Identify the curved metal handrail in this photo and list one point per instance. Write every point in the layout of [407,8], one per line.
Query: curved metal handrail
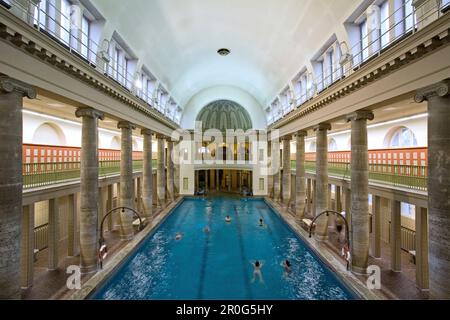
[102,240]
[327,213]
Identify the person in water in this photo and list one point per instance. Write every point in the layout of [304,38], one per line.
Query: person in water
[257,265]
[286,264]
[261,222]
[178,236]
[228,219]
[206,229]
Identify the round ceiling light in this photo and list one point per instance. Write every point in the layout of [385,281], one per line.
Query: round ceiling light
[224,51]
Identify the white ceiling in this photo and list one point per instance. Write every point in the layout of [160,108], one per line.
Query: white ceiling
[270,40]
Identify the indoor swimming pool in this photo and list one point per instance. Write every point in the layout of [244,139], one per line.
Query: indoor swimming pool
[196,254]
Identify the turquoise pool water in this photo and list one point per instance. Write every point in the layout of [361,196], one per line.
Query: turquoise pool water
[218,264]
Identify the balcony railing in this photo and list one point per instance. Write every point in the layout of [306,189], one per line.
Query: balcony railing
[405,176]
[44,174]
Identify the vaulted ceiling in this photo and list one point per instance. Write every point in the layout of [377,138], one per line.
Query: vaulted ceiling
[270,40]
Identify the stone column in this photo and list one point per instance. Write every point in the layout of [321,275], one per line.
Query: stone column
[321,191]
[396,236]
[138,194]
[270,175]
[300,183]
[309,196]
[11,95]
[217,180]
[147,175]
[422,248]
[360,190]
[170,173]
[27,247]
[338,199]
[72,244]
[160,172]
[286,169]
[438,186]
[176,175]
[89,188]
[109,207]
[53,234]
[206,180]
[276,166]
[126,180]
[376,227]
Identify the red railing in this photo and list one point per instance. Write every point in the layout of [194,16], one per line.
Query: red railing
[33,153]
[400,156]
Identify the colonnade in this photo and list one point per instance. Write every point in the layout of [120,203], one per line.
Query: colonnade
[313,195]
[17,221]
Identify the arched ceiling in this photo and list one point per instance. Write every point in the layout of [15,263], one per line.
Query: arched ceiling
[270,40]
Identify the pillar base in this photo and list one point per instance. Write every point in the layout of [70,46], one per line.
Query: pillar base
[320,238]
[359,271]
[126,237]
[88,269]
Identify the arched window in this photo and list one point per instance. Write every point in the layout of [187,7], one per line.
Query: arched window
[332,145]
[49,134]
[115,143]
[400,137]
[312,146]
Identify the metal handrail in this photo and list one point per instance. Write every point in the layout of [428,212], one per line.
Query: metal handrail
[102,239]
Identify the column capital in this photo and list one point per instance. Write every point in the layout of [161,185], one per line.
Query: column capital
[89,112]
[360,115]
[9,85]
[161,136]
[287,137]
[322,126]
[146,132]
[125,125]
[301,133]
[440,89]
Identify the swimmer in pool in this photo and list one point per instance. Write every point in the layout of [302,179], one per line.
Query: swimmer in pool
[178,236]
[286,264]
[261,222]
[206,229]
[257,265]
[227,219]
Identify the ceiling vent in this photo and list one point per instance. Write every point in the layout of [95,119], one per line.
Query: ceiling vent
[224,51]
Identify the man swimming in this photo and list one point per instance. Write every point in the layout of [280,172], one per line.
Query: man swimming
[257,271]
[178,236]
[228,219]
[261,222]
[286,264]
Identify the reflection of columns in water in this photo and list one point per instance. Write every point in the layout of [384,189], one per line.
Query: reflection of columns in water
[438,99]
